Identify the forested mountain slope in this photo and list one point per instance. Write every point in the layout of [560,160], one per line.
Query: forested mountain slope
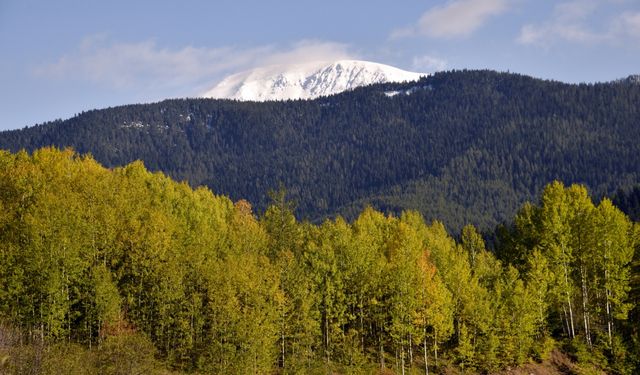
[463,146]
[629,202]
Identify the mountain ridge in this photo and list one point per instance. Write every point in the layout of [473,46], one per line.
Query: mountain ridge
[470,147]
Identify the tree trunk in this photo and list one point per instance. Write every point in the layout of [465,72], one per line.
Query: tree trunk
[402,357]
[585,304]
[607,292]
[282,337]
[572,331]
[609,322]
[90,338]
[361,328]
[410,352]
[565,320]
[435,348]
[397,366]
[381,352]
[426,363]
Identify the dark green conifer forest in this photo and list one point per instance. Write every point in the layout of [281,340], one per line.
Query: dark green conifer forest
[125,271]
[461,147]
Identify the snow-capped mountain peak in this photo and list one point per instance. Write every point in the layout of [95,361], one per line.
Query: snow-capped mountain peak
[306,81]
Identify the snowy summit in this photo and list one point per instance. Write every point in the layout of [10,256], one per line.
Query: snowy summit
[306,81]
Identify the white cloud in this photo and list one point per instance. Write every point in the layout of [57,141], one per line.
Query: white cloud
[455,19]
[146,67]
[576,10]
[579,21]
[309,50]
[568,22]
[548,34]
[428,64]
[628,23]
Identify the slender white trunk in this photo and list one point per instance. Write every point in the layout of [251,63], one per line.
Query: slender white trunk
[585,304]
[435,347]
[326,334]
[90,338]
[381,352]
[572,330]
[410,352]
[607,292]
[402,358]
[609,322]
[282,337]
[565,326]
[426,363]
[361,328]
[397,366]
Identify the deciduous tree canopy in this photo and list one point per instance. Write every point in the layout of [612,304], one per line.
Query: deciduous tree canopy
[123,270]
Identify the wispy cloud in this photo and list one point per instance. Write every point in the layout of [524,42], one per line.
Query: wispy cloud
[146,66]
[579,21]
[428,64]
[307,51]
[455,19]
[627,24]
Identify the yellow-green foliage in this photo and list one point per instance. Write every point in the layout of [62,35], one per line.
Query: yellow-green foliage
[124,270]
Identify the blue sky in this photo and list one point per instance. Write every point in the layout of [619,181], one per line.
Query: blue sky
[62,57]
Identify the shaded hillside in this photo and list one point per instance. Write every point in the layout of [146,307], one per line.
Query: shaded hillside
[465,146]
[629,202]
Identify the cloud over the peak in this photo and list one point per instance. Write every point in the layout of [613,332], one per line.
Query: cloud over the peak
[309,50]
[147,67]
[455,19]
[428,63]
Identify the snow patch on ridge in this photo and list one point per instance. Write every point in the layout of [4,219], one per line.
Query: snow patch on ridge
[409,91]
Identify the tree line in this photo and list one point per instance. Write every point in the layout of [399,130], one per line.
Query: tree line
[126,271]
